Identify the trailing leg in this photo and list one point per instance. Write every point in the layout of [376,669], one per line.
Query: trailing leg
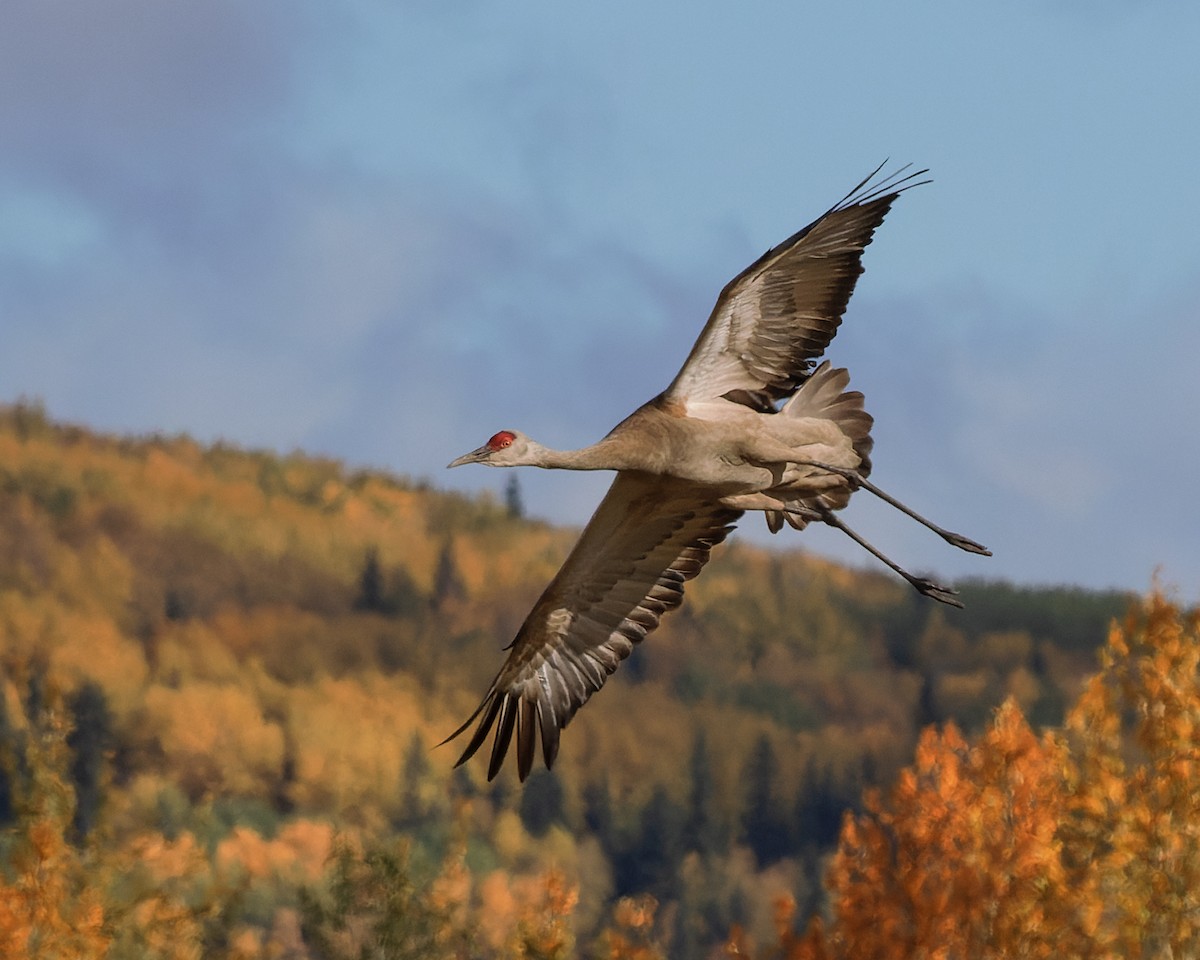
[855,479]
[927,587]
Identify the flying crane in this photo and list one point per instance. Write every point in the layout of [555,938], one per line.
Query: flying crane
[750,423]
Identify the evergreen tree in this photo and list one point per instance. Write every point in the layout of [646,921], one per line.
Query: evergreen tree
[394,593]
[763,825]
[541,802]
[598,815]
[88,741]
[513,504]
[817,815]
[704,830]
[9,753]
[447,581]
[370,584]
[651,865]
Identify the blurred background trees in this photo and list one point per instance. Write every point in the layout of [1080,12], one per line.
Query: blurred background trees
[224,672]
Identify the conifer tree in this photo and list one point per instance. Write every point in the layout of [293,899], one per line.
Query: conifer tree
[513,504]
[89,740]
[370,584]
[817,815]
[763,824]
[598,815]
[447,581]
[704,830]
[654,864]
[541,802]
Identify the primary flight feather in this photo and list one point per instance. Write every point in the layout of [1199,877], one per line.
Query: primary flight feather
[749,423]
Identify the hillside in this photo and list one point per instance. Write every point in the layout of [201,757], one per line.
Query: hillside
[258,652]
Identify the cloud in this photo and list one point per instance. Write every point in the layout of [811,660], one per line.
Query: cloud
[123,87]
[382,234]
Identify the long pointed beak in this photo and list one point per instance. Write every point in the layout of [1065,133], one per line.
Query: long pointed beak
[475,456]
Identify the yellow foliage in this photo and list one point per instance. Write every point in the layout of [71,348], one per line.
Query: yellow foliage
[77,644]
[298,854]
[95,578]
[655,726]
[351,737]
[215,739]
[1133,815]
[510,839]
[1019,846]
[94,648]
[193,651]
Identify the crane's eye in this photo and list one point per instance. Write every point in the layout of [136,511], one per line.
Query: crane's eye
[501,440]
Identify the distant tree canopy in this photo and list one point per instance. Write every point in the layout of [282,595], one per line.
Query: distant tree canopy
[222,673]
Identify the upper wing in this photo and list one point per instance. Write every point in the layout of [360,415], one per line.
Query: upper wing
[647,537]
[781,312]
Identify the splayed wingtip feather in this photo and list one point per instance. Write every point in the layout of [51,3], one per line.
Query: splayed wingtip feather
[504,732]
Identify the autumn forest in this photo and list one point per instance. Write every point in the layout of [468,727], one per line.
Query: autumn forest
[225,673]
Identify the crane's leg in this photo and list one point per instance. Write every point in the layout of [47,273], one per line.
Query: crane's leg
[927,587]
[773,506]
[856,480]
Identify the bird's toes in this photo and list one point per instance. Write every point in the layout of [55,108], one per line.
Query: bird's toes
[966,543]
[937,592]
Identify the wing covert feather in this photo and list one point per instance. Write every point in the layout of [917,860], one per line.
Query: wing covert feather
[779,314]
[646,539]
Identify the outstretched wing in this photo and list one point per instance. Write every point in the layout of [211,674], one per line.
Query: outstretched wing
[648,536]
[780,313]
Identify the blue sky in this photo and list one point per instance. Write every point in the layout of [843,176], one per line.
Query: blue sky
[382,231]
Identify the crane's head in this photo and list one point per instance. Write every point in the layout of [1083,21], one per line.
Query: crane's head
[508,448]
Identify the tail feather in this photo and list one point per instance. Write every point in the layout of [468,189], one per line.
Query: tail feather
[824,396]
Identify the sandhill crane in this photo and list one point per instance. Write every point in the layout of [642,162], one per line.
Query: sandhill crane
[747,424]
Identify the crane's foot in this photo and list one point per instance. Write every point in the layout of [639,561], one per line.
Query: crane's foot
[924,586]
[964,543]
[935,591]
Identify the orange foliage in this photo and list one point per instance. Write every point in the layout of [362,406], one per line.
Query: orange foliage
[1023,846]
[47,909]
[631,936]
[544,925]
[298,853]
[962,856]
[1131,825]
[498,909]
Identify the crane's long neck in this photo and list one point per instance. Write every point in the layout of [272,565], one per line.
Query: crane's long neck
[599,456]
